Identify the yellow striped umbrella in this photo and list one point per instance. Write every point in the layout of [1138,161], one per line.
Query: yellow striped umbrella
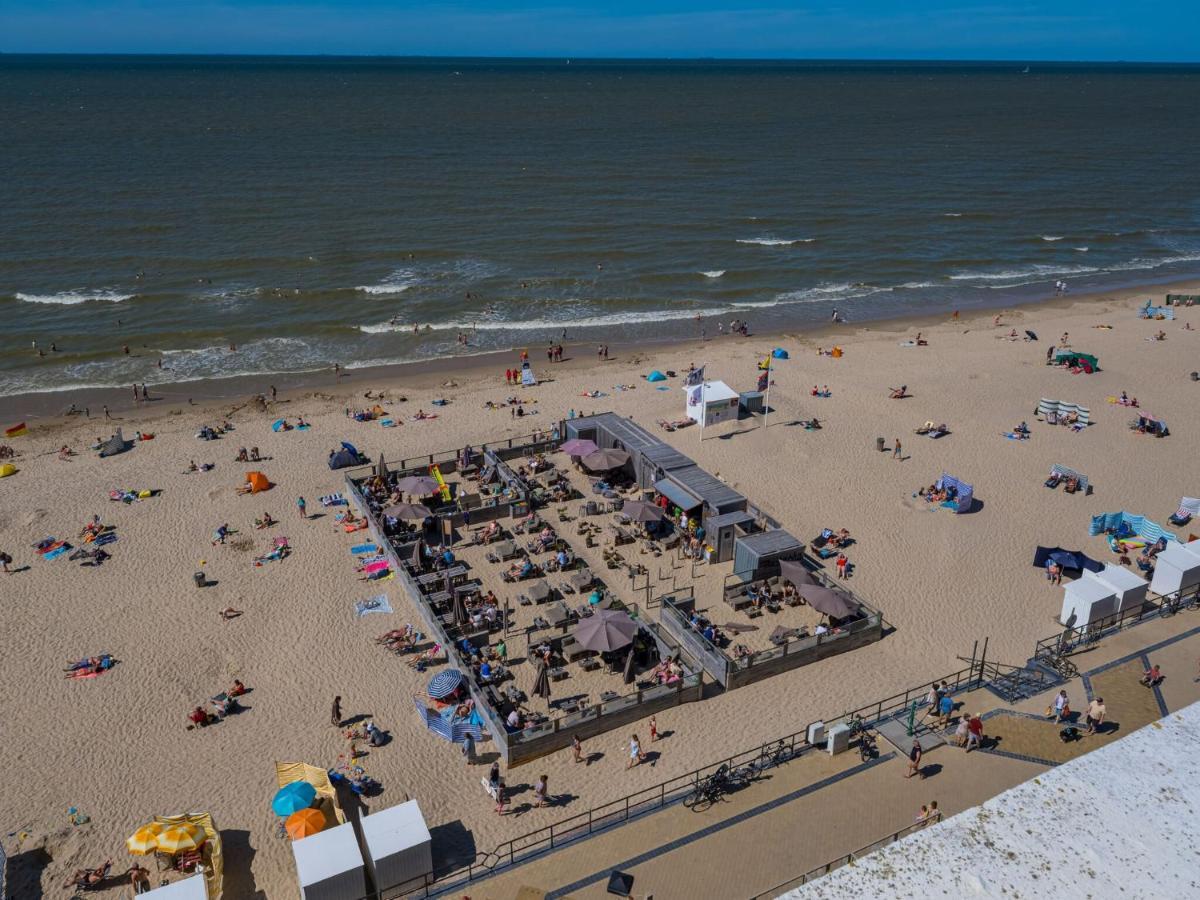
[181,838]
[145,839]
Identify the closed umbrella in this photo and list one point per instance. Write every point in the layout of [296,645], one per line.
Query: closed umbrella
[578,447]
[605,630]
[295,795]
[793,570]
[830,602]
[407,511]
[145,839]
[420,485]
[603,460]
[443,684]
[640,511]
[629,667]
[181,838]
[541,687]
[305,823]
[381,468]
[460,610]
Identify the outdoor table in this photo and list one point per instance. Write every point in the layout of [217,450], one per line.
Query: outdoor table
[557,613]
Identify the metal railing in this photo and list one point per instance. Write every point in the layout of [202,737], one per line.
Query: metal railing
[834,864]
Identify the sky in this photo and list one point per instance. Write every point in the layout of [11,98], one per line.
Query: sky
[1098,30]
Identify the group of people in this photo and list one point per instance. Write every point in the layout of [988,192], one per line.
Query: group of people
[252,455]
[218,707]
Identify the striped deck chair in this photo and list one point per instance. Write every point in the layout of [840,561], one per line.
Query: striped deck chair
[1189,507]
[1064,472]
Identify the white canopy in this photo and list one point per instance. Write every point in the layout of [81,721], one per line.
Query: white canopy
[1131,589]
[1176,568]
[398,846]
[329,865]
[1088,599]
[193,888]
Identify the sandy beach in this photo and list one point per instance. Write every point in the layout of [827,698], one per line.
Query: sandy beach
[115,747]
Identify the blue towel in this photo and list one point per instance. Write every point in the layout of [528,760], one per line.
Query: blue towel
[364,548]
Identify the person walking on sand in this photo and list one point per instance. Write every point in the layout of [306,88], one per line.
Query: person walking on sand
[468,749]
[653,730]
[975,733]
[541,791]
[635,752]
[1096,712]
[896,450]
[576,748]
[914,760]
[1062,707]
[6,561]
[302,506]
[335,714]
[106,415]
[501,798]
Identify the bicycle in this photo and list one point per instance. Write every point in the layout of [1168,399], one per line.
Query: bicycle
[708,790]
[867,749]
[1170,607]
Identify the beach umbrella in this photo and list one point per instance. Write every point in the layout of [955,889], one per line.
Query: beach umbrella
[605,630]
[641,511]
[407,511]
[181,838]
[419,485]
[629,674]
[603,460]
[541,686]
[305,823]
[381,468]
[443,684]
[830,602]
[578,447]
[278,424]
[293,796]
[145,839]
[794,571]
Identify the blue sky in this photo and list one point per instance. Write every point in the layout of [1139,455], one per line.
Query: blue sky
[1152,30]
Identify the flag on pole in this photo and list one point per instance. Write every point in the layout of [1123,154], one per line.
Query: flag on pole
[694,394]
[764,380]
[695,377]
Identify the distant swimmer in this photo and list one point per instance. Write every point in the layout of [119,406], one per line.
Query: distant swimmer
[599,267]
[416,327]
[125,349]
[233,348]
[53,347]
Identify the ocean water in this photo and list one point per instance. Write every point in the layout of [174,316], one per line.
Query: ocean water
[312,211]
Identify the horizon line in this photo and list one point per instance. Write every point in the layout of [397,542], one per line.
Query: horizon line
[593,59]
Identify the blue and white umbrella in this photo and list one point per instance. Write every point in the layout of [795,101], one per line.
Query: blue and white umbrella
[443,684]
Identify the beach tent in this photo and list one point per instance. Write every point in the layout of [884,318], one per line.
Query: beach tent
[1067,559]
[114,445]
[779,353]
[1059,409]
[1130,587]
[1176,569]
[1149,423]
[7,469]
[192,888]
[1088,599]
[278,424]
[656,376]
[964,493]
[347,456]
[329,865]
[1124,524]
[1085,361]
[450,728]
[398,847]
[258,482]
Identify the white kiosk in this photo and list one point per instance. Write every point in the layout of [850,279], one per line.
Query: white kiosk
[711,402]
[398,849]
[1088,599]
[329,865]
[1176,568]
[1131,590]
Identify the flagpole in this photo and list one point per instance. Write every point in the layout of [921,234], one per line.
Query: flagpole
[767,396]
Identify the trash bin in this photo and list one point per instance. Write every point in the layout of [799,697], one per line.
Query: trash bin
[200,579]
[879,444]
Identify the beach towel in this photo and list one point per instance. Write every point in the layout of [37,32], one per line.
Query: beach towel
[364,548]
[57,551]
[107,538]
[334,500]
[376,566]
[387,423]
[378,604]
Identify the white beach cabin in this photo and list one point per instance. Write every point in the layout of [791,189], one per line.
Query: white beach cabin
[399,849]
[1088,599]
[193,888]
[1131,589]
[329,865]
[1176,568]
[711,402]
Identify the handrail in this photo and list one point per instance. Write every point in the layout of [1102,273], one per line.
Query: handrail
[828,867]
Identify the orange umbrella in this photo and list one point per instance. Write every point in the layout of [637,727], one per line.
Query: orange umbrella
[304,823]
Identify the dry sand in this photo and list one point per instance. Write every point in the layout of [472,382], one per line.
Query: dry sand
[116,746]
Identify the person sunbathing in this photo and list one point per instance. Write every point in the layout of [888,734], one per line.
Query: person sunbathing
[490,533]
[237,690]
[91,663]
[86,878]
[265,522]
[246,488]
[229,613]
[198,717]
[898,393]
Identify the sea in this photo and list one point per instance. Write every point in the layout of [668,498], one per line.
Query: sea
[222,216]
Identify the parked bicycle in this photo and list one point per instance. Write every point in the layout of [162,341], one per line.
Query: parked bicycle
[867,748]
[1179,602]
[713,788]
